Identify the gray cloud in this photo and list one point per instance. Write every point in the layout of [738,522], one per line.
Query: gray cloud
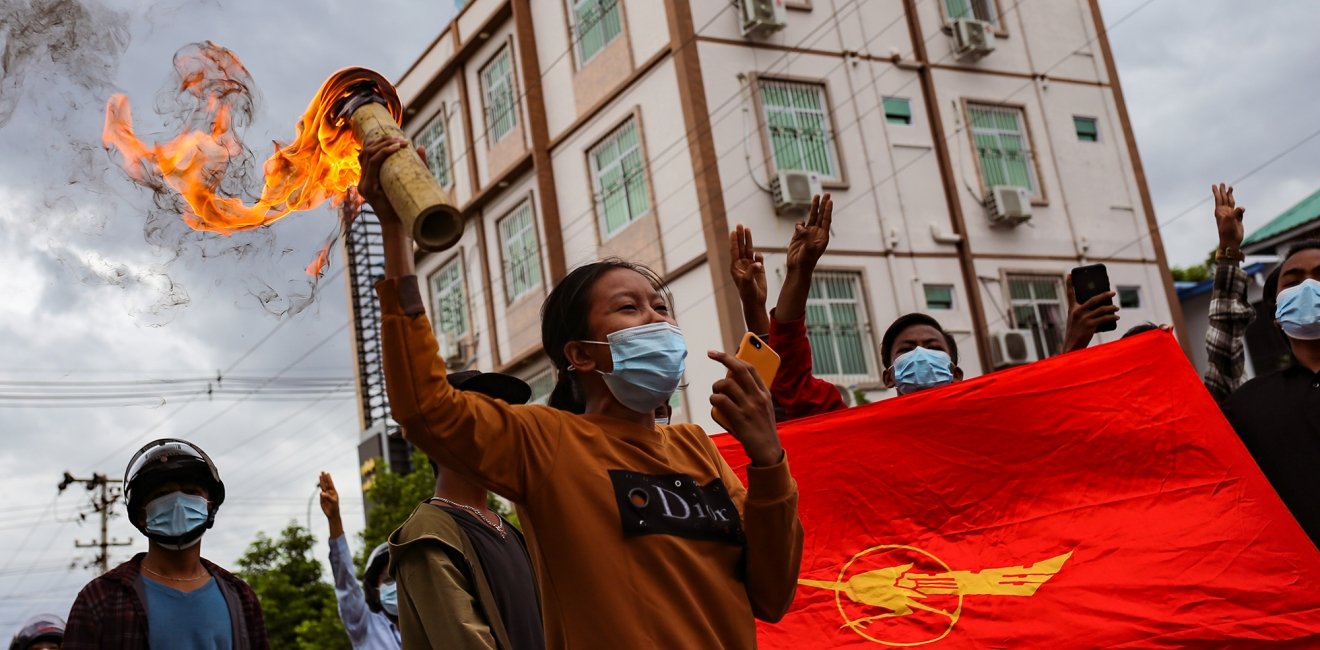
[82,276]
[1216,88]
[78,42]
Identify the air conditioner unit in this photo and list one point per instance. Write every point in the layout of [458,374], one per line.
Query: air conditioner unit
[972,38]
[457,354]
[792,192]
[1009,205]
[761,18]
[1012,348]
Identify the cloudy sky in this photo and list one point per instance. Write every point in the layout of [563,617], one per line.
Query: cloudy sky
[1215,88]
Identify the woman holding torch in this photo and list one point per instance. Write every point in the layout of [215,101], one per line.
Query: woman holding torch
[642,536]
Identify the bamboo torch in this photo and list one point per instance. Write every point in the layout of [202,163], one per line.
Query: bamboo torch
[371,107]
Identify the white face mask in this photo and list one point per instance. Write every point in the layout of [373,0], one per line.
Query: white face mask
[1298,310]
[649,361]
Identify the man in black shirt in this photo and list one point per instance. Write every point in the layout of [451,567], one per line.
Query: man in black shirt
[1278,415]
[464,578]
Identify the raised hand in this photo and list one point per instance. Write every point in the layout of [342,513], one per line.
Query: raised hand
[743,403]
[330,505]
[748,270]
[1228,219]
[812,237]
[1086,318]
[370,159]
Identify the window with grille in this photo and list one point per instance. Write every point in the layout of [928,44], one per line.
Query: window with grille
[1037,304]
[978,9]
[1002,147]
[837,326]
[939,296]
[543,383]
[596,23]
[898,110]
[501,103]
[1087,131]
[449,305]
[1129,297]
[522,257]
[433,140]
[619,179]
[797,120]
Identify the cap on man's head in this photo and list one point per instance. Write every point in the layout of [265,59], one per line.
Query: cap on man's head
[492,384]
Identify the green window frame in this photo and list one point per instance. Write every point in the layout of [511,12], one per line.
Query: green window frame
[618,176]
[434,139]
[522,255]
[797,119]
[939,296]
[596,23]
[449,308]
[1003,147]
[898,110]
[1087,128]
[501,101]
[978,9]
[1037,304]
[838,328]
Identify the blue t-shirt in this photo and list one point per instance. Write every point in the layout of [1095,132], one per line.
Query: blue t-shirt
[193,620]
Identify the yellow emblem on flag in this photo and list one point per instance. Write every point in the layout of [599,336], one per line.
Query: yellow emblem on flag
[906,582]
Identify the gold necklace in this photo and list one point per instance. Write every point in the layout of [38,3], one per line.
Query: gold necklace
[161,575]
[498,524]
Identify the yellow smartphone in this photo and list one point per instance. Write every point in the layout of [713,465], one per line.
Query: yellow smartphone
[754,350]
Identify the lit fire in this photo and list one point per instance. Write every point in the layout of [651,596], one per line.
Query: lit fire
[319,165]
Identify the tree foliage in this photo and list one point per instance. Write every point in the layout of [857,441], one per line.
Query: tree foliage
[1196,272]
[298,605]
[393,496]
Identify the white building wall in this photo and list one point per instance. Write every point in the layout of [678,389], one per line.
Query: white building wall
[892,222]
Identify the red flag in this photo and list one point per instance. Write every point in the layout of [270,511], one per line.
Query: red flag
[1096,499]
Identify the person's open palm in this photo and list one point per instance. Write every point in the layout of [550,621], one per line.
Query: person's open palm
[747,267]
[329,496]
[812,237]
[1228,216]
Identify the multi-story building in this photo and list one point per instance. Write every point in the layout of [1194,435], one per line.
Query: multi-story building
[976,151]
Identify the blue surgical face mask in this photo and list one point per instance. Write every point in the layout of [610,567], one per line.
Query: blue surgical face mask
[389,598]
[649,361]
[1298,310]
[922,368]
[173,519]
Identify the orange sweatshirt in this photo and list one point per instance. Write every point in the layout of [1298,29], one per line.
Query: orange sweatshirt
[642,538]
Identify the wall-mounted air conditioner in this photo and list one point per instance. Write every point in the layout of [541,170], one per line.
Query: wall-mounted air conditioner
[1009,205]
[972,38]
[457,354]
[792,192]
[761,18]
[1012,348]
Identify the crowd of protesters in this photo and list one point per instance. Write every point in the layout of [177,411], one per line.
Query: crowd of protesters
[602,559]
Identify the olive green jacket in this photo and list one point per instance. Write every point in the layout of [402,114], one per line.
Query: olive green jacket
[444,599]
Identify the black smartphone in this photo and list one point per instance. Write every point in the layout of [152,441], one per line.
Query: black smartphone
[1090,281]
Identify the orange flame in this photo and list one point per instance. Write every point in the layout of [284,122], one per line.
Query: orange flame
[319,165]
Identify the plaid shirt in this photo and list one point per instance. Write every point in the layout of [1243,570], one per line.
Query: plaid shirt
[1230,314]
[108,613]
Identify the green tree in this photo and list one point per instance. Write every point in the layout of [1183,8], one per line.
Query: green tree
[298,605]
[1196,272]
[393,497]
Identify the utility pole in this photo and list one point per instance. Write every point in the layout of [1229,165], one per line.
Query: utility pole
[107,493]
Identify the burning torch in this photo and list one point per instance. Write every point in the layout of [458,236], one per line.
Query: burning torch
[371,106]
